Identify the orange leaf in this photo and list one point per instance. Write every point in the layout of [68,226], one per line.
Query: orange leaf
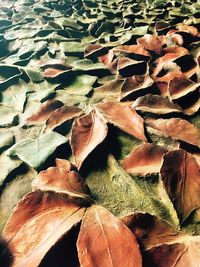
[37,223]
[145,159]
[105,241]
[176,128]
[123,116]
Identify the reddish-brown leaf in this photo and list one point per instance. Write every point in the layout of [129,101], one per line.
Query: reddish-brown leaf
[123,116]
[107,58]
[87,132]
[176,128]
[144,160]
[182,252]
[94,50]
[105,241]
[42,114]
[61,115]
[180,86]
[128,67]
[155,104]
[51,73]
[37,223]
[136,85]
[180,173]
[150,230]
[133,49]
[62,179]
[152,42]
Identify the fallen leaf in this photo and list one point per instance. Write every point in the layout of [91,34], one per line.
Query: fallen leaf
[128,67]
[41,148]
[47,217]
[43,113]
[180,173]
[117,246]
[145,159]
[67,181]
[155,104]
[125,117]
[60,115]
[87,132]
[176,128]
[152,42]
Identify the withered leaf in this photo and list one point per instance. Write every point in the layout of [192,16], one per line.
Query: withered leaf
[133,49]
[87,132]
[37,223]
[123,116]
[128,67]
[105,241]
[152,42]
[61,179]
[144,160]
[44,111]
[182,252]
[180,86]
[94,50]
[136,85]
[155,104]
[61,115]
[150,230]
[176,128]
[180,173]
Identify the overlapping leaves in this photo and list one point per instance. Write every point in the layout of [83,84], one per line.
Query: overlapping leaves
[101,84]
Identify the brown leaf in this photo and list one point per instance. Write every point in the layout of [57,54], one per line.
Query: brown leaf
[94,50]
[152,42]
[105,241]
[87,132]
[128,67]
[123,116]
[180,173]
[136,85]
[150,230]
[62,179]
[180,86]
[144,160]
[155,104]
[176,128]
[183,252]
[51,73]
[133,49]
[107,58]
[37,223]
[61,115]
[44,111]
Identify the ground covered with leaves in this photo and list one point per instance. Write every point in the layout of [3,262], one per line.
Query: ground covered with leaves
[99,133]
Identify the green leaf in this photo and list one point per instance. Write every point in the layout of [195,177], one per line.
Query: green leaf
[35,152]
[15,95]
[123,195]
[81,85]
[8,116]
[6,140]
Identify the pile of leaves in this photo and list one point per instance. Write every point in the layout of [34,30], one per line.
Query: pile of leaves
[99,133]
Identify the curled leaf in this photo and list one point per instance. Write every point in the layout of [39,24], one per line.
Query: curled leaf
[176,128]
[155,104]
[125,117]
[144,160]
[87,132]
